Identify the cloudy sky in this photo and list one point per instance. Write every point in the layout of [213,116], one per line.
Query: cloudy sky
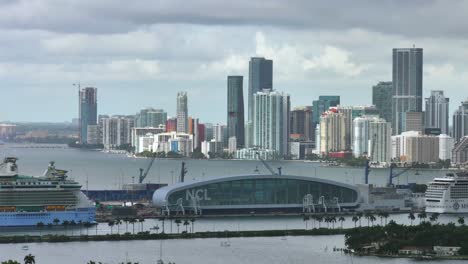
[140,53]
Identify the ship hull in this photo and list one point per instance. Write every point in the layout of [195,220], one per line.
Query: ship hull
[11,219]
[447,206]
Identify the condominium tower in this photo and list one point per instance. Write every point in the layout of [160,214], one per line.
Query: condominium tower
[437,112]
[88,111]
[407,85]
[235,109]
[182,112]
[271,121]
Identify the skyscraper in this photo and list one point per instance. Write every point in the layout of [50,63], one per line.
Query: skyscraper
[460,122]
[382,99]
[88,111]
[150,117]
[235,109]
[271,122]
[332,132]
[301,122]
[322,105]
[372,137]
[182,112]
[260,77]
[437,112]
[407,84]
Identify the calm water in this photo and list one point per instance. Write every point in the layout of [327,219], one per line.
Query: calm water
[318,249]
[108,171]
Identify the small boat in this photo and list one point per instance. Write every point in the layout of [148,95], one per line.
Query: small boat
[25,247]
[225,244]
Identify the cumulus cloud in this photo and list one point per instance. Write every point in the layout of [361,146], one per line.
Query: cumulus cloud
[336,60]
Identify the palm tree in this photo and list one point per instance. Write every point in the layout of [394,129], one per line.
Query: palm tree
[56,221]
[385,215]
[72,224]
[10,262]
[368,217]
[126,220]
[319,219]
[133,221]
[327,220]
[141,220]
[111,224]
[29,259]
[461,220]
[65,225]
[305,219]
[422,216]
[39,226]
[162,219]
[355,219]
[80,223]
[341,219]
[359,215]
[372,219]
[193,222]
[434,217]
[380,215]
[186,224]
[178,222]
[118,222]
[411,217]
[333,221]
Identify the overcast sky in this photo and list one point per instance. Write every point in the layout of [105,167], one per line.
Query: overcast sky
[140,53]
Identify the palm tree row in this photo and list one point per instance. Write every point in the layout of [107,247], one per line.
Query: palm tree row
[187,223]
[127,221]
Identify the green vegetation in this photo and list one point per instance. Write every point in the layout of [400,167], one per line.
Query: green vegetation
[393,236]
[223,155]
[85,146]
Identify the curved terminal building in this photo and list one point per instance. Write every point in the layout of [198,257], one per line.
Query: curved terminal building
[250,194]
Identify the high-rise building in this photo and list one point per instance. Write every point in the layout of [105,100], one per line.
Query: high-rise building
[437,112]
[271,121]
[150,117]
[88,111]
[171,124]
[301,123]
[182,112]
[382,99]
[218,133]
[460,121]
[116,130]
[7,131]
[412,146]
[260,77]
[322,105]
[332,132]
[380,132]
[460,151]
[446,144]
[407,85]
[413,121]
[352,112]
[235,109]
[208,132]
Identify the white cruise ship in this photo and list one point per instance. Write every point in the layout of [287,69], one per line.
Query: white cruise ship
[448,194]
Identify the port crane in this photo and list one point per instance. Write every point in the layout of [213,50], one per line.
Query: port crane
[144,172]
[392,175]
[268,166]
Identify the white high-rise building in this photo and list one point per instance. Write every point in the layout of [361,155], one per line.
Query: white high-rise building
[332,132]
[412,146]
[446,144]
[116,130]
[437,112]
[182,113]
[372,138]
[271,121]
[380,132]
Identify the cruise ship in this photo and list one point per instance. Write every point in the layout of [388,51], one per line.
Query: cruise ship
[50,199]
[448,194]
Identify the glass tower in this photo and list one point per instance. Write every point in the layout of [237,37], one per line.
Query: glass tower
[88,111]
[235,109]
[407,85]
[382,99]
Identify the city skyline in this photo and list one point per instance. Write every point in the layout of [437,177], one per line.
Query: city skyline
[313,54]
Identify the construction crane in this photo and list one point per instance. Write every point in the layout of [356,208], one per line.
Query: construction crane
[392,175]
[268,166]
[143,172]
